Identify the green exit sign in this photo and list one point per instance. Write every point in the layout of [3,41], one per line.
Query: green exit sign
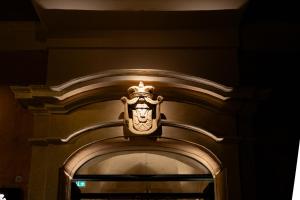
[81,184]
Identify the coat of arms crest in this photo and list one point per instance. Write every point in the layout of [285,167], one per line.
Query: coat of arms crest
[141,112]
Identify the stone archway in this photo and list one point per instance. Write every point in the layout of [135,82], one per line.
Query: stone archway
[187,152]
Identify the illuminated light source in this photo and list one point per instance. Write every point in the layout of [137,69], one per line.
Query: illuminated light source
[166,5]
[2,197]
[80,184]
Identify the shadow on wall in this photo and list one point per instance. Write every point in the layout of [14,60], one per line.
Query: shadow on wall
[16,126]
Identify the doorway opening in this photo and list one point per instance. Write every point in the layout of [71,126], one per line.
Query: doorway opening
[164,169]
[142,175]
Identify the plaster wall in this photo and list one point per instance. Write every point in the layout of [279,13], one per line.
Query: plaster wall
[215,64]
[46,160]
[16,127]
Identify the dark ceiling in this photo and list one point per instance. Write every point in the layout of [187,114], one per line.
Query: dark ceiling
[255,63]
[285,11]
[17,10]
[257,11]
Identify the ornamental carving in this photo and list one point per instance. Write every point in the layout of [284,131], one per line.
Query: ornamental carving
[141,111]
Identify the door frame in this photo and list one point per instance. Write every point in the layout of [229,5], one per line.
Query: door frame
[119,145]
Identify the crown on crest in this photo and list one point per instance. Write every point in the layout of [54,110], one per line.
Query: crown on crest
[141,91]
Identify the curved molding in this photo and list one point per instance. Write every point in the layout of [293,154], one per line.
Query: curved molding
[117,80]
[187,151]
[121,146]
[191,128]
[143,72]
[90,128]
[113,84]
[49,140]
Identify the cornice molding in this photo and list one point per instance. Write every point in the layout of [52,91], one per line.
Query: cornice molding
[113,84]
[117,123]
[144,72]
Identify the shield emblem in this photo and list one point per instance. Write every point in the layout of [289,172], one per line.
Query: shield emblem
[141,112]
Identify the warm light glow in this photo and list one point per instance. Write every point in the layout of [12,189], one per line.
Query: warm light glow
[120,123]
[101,85]
[145,5]
[142,74]
[117,145]
[93,127]
[168,81]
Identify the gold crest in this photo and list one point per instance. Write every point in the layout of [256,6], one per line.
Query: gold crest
[141,112]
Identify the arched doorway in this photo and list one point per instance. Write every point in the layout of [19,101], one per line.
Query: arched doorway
[144,169]
[86,114]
